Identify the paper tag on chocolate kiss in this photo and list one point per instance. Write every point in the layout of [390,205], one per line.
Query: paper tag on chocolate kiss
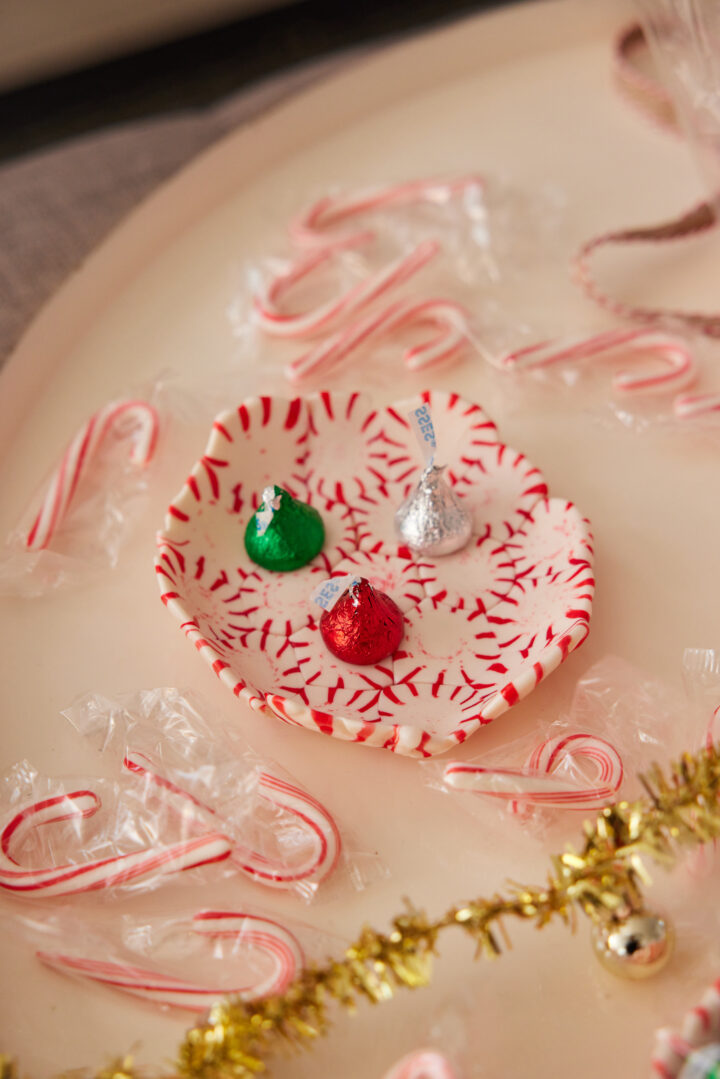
[328,593]
[270,503]
[424,428]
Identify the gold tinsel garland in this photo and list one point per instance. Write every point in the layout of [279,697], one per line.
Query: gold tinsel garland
[603,879]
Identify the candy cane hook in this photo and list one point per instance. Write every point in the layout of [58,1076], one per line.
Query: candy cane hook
[422,1064]
[677,368]
[261,934]
[100,873]
[451,340]
[134,419]
[689,405]
[311,228]
[312,817]
[535,784]
[324,318]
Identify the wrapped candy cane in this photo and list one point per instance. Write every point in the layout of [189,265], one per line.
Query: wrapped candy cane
[326,843]
[689,405]
[311,817]
[678,365]
[536,783]
[99,873]
[310,229]
[422,1064]
[134,419]
[324,318]
[262,934]
[448,344]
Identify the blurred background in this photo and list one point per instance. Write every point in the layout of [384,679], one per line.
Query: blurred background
[102,101]
[69,67]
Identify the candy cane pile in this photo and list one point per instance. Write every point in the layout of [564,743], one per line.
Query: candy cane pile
[353,320]
[135,420]
[537,783]
[253,933]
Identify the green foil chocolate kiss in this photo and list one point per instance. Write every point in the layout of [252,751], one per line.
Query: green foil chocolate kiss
[293,536]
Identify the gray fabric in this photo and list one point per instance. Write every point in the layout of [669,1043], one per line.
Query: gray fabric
[57,205]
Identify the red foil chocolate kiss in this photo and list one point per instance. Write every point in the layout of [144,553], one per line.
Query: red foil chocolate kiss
[363,626]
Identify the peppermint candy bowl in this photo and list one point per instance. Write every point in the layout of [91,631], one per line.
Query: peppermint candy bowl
[482,627]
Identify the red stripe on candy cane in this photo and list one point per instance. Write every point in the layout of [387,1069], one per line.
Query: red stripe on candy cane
[136,420]
[262,934]
[312,818]
[91,876]
[451,340]
[422,1064]
[325,317]
[677,363]
[311,228]
[536,783]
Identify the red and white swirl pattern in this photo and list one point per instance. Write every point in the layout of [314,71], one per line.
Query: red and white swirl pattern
[482,627]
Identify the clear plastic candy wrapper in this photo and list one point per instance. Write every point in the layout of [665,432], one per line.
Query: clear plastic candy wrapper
[181,961]
[280,836]
[76,526]
[620,722]
[79,835]
[412,272]
[683,38]
[641,378]
[77,522]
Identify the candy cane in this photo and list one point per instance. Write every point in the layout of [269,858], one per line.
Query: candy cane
[537,785]
[678,363]
[98,873]
[142,422]
[315,821]
[700,1026]
[669,1054]
[448,344]
[689,405]
[310,228]
[262,934]
[422,1064]
[703,1020]
[324,318]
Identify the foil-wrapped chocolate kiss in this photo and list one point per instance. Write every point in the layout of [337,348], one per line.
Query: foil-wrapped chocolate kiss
[432,520]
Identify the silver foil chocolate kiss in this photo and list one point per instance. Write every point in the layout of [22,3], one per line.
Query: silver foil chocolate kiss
[433,520]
